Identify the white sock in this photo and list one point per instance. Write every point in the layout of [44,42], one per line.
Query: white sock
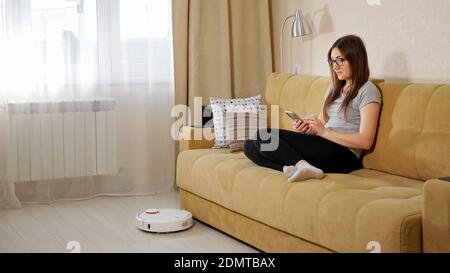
[289,170]
[305,171]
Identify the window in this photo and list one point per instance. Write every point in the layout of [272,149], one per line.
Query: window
[143,46]
[112,40]
[65,28]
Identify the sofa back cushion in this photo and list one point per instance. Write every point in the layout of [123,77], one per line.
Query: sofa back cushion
[298,93]
[413,138]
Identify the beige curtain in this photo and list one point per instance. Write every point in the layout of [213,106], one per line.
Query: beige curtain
[222,48]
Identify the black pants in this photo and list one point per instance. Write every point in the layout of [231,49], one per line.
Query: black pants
[293,147]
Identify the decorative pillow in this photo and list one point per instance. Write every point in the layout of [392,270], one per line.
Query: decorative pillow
[243,125]
[232,112]
[236,145]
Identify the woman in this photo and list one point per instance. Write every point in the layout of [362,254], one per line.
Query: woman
[334,141]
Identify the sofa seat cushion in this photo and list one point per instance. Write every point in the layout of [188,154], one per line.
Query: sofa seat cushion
[342,212]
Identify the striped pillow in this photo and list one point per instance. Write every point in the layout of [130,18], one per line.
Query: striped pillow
[242,125]
[220,108]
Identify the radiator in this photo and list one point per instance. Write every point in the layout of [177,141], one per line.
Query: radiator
[53,140]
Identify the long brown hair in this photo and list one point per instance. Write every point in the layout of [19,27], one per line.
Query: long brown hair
[354,51]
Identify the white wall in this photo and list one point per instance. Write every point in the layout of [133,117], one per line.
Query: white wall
[407,40]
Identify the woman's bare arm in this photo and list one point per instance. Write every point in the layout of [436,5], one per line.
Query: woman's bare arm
[367,130]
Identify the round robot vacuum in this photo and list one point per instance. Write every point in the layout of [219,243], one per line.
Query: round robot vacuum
[163,220]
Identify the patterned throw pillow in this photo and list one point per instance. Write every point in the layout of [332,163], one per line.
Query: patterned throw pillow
[240,115]
[236,146]
[243,125]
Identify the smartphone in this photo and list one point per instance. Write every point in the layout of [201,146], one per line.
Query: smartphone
[293,115]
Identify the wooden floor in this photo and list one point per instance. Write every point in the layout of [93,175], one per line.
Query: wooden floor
[105,224]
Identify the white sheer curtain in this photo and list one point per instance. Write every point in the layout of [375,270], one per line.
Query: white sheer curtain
[65,61]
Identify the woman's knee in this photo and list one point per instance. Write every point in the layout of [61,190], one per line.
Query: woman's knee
[265,136]
[256,136]
[248,147]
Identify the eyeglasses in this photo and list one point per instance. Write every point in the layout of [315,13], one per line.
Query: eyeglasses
[339,61]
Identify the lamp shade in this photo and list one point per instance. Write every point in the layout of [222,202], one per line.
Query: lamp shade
[299,27]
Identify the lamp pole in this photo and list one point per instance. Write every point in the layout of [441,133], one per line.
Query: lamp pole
[298,30]
[281,41]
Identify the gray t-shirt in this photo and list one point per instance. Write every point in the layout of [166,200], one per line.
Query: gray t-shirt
[366,94]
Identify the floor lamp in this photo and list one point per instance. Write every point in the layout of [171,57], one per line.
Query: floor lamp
[299,28]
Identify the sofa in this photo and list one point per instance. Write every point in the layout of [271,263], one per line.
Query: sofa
[399,202]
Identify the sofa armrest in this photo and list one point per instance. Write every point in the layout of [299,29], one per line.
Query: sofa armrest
[196,138]
[436,215]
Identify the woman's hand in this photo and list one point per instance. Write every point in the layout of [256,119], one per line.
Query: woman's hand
[300,126]
[315,125]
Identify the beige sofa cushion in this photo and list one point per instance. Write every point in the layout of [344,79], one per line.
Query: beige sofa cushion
[413,138]
[340,212]
[301,94]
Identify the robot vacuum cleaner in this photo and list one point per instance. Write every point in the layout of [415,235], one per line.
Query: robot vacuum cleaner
[163,220]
